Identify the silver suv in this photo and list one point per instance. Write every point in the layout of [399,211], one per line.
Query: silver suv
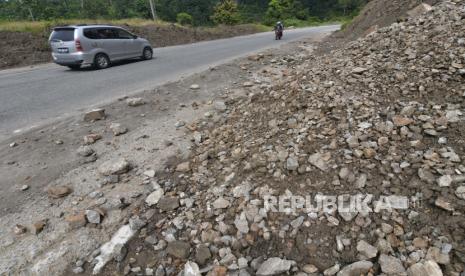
[97,45]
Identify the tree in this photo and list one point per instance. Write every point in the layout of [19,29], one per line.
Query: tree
[226,12]
[285,9]
[184,18]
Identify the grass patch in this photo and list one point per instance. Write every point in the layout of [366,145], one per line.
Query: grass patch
[45,26]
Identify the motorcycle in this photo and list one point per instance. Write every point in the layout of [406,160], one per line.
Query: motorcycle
[278,34]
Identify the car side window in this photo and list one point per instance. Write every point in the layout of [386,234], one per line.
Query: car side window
[107,33]
[91,33]
[122,34]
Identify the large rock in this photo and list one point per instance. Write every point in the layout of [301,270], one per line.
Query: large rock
[274,266]
[58,191]
[191,269]
[419,10]
[117,167]
[366,249]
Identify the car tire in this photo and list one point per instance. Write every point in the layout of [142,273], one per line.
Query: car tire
[74,67]
[101,61]
[147,53]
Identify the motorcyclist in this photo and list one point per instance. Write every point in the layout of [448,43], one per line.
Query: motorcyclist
[279,28]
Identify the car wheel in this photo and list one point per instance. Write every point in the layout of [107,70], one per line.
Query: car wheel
[74,67]
[101,61]
[147,53]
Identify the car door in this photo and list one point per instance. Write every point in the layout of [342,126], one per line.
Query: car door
[108,38]
[131,45]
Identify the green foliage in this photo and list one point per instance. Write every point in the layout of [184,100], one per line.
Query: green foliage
[203,12]
[279,10]
[184,18]
[226,13]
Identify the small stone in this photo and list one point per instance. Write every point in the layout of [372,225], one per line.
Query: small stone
[12,145]
[445,181]
[94,115]
[24,187]
[317,161]
[460,192]
[178,249]
[58,191]
[93,216]
[332,270]
[359,70]
[401,121]
[118,129]
[154,197]
[183,167]
[355,269]
[391,265]
[221,203]
[150,173]
[112,167]
[292,164]
[274,266]
[309,268]
[366,249]
[85,151]
[19,229]
[220,106]
[135,102]
[191,269]
[247,84]
[241,223]
[92,138]
[444,204]
[136,223]
[38,226]
[168,203]
[76,220]
[195,87]
[78,270]
[428,268]
[202,254]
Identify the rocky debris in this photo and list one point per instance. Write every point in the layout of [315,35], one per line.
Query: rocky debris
[382,116]
[274,266]
[179,249]
[419,10]
[58,191]
[135,102]
[118,129]
[114,167]
[94,115]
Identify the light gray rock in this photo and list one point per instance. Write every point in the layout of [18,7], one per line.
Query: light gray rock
[391,265]
[428,268]
[112,167]
[356,269]
[154,197]
[274,266]
[366,249]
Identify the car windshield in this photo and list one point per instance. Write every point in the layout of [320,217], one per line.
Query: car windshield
[63,34]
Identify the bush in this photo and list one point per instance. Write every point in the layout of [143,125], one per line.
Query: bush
[226,12]
[184,18]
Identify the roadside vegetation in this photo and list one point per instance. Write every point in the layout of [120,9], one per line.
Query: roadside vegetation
[37,16]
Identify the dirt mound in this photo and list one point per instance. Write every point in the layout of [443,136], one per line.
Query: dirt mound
[382,117]
[378,14]
[24,48]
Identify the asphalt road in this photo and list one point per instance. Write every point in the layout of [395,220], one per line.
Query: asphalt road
[30,97]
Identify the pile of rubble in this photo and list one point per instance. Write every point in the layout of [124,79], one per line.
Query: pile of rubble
[383,116]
